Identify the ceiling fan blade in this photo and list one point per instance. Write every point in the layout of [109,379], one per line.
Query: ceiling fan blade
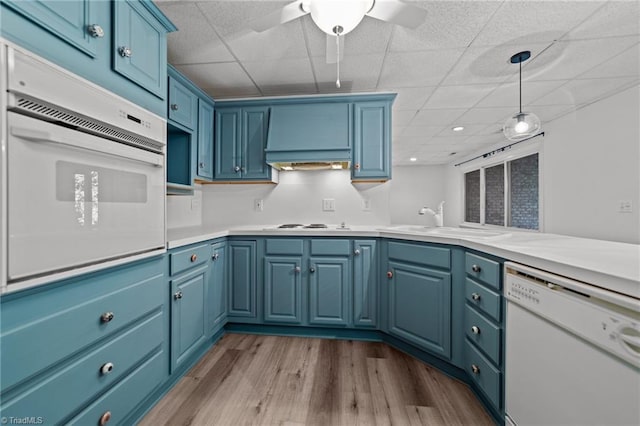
[288,13]
[397,12]
[332,49]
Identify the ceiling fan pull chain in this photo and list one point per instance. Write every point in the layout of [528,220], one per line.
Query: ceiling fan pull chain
[338,60]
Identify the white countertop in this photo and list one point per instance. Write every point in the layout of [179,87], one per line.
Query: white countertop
[607,264]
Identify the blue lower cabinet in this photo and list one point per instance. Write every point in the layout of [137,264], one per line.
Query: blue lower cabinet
[188,328]
[365,283]
[420,306]
[283,289]
[217,288]
[329,286]
[242,280]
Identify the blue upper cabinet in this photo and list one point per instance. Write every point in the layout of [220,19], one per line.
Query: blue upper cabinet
[140,46]
[372,141]
[183,104]
[240,140]
[205,140]
[86,37]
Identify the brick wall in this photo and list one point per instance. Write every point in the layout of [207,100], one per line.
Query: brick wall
[524,192]
[472,196]
[494,195]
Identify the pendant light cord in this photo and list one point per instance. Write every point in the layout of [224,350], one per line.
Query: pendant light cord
[338,60]
[520,87]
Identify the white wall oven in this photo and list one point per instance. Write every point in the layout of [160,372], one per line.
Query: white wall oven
[84,182]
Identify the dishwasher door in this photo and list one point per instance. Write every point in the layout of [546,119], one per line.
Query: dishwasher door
[565,361]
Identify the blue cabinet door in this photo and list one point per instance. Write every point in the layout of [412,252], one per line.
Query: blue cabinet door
[365,283]
[217,289]
[188,328]
[283,289]
[74,22]
[205,140]
[372,136]
[183,105]
[227,143]
[255,122]
[242,279]
[139,47]
[420,307]
[329,286]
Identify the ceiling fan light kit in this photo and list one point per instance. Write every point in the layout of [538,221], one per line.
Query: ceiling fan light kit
[521,125]
[337,17]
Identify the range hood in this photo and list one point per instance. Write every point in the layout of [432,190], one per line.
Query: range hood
[312,136]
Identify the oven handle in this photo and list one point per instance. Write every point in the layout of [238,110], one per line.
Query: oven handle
[88,142]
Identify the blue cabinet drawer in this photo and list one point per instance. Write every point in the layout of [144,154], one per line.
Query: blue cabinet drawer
[420,254]
[483,299]
[188,258]
[287,246]
[483,333]
[124,397]
[74,383]
[483,269]
[485,375]
[63,322]
[330,247]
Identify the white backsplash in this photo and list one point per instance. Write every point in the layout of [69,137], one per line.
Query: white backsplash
[184,210]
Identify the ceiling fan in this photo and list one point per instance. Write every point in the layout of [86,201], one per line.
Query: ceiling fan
[339,17]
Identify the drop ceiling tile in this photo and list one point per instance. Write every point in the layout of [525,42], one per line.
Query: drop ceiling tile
[232,17]
[417,68]
[485,116]
[470,129]
[232,92]
[626,64]
[421,131]
[223,76]
[410,97]
[458,96]
[507,95]
[370,36]
[361,71]
[483,65]
[578,92]
[437,117]
[195,41]
[444,142]
[533,21]
[549,113]
[449,24]
[566,60]
[402,117]
[284,41]
[615,18]
[280,72]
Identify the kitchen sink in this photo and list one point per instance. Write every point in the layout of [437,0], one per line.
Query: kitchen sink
[451,232]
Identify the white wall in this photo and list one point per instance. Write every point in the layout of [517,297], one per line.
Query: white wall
[591,161]
[184,210]
[413,187]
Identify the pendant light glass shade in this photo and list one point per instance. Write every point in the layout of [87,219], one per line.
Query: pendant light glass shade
[521,125]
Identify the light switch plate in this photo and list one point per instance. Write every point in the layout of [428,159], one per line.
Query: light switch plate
[258,204]
[366,204]
[328,205]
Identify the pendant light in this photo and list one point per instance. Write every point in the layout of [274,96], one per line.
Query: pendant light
[523,124]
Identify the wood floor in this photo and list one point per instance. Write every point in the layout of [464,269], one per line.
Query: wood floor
[251,379]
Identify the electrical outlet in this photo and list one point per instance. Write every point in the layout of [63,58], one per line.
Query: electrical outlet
[626,206]
[329,205]
[195,204]
[258,204]
[366,204]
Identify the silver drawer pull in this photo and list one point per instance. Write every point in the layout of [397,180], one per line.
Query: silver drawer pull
[106,317]
[95,30]
[236,169]
[174,107]
[475,369]
[215,256]
[106,369]
[125,51]
[296,269]
[475,296]
[356,252]
[312,269]
[475,329]
[178,295]
[476,268]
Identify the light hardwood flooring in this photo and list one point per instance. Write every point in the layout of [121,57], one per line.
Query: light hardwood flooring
[250,379]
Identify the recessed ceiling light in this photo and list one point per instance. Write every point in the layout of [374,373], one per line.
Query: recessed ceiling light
[458,128]
[453,153]
[413,159]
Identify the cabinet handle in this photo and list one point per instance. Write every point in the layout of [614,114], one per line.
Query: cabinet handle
[356,166]
[215,256]
[236,169]
[106,368]
[475,329]
[312,269]
[174,107]
[125,51]
[296,269]
[475,296]
[356,252]
[475,369]
[476,268]
[178,295]
[389,274]
[201,165]
[104,419]
[95,30]
[194,257]
[106,317]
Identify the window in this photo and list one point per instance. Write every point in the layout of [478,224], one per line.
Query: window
[504,194]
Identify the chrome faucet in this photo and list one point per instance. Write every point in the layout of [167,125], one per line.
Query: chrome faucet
[439,216]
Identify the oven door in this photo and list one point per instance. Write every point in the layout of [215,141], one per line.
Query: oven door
[75,199]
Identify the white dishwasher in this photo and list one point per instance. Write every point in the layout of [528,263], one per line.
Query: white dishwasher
[572,352]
